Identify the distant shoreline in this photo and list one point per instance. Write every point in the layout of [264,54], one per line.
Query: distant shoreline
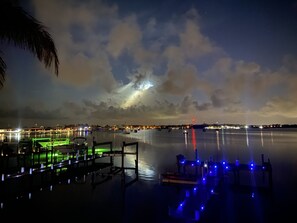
[83,127]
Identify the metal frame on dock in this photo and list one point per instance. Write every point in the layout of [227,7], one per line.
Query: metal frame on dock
[49,172]
[219,169]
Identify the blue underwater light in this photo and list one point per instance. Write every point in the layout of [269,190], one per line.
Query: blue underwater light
[252,166]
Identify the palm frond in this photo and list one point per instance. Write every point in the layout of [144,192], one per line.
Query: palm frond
[21,29]
[2,71]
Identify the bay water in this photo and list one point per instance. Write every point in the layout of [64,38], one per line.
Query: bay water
[91,198]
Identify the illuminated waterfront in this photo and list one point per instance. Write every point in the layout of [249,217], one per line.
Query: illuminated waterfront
[148,201]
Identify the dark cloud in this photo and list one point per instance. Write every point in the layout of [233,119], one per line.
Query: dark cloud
[193,63]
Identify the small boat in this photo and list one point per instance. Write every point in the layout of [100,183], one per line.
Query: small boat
[77,144]
[80,143]
[30,145]
[177,178]
[63,145]
[51,142]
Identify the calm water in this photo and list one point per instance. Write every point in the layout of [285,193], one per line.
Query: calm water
[87,199]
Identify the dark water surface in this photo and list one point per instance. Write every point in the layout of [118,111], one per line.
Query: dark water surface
[88,198]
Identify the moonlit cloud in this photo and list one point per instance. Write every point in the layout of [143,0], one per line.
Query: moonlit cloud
[122,66]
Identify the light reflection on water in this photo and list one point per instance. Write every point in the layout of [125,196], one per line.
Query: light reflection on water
[157,154]
[146,172]
[159,146]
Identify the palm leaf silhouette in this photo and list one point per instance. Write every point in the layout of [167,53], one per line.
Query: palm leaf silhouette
[24,31]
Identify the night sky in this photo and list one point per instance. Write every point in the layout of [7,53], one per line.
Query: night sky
[157,62]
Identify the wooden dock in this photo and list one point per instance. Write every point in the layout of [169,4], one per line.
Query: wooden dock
[20,179]
[204,178]
[193,171]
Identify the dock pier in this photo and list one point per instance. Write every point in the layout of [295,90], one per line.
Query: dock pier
[199,181]
[21,173]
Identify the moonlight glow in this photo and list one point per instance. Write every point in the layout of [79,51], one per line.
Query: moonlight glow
[145,85]
[136,95]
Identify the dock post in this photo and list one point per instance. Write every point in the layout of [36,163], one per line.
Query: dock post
[38,158]
[52,153]
[270,173]
[32,159]
[136,162]
[46,156]
[202,169]
[123,180]
[24,159]
[123,148]
[93,152]
[111,157]
[196,159]
[267,167]
[179,158]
